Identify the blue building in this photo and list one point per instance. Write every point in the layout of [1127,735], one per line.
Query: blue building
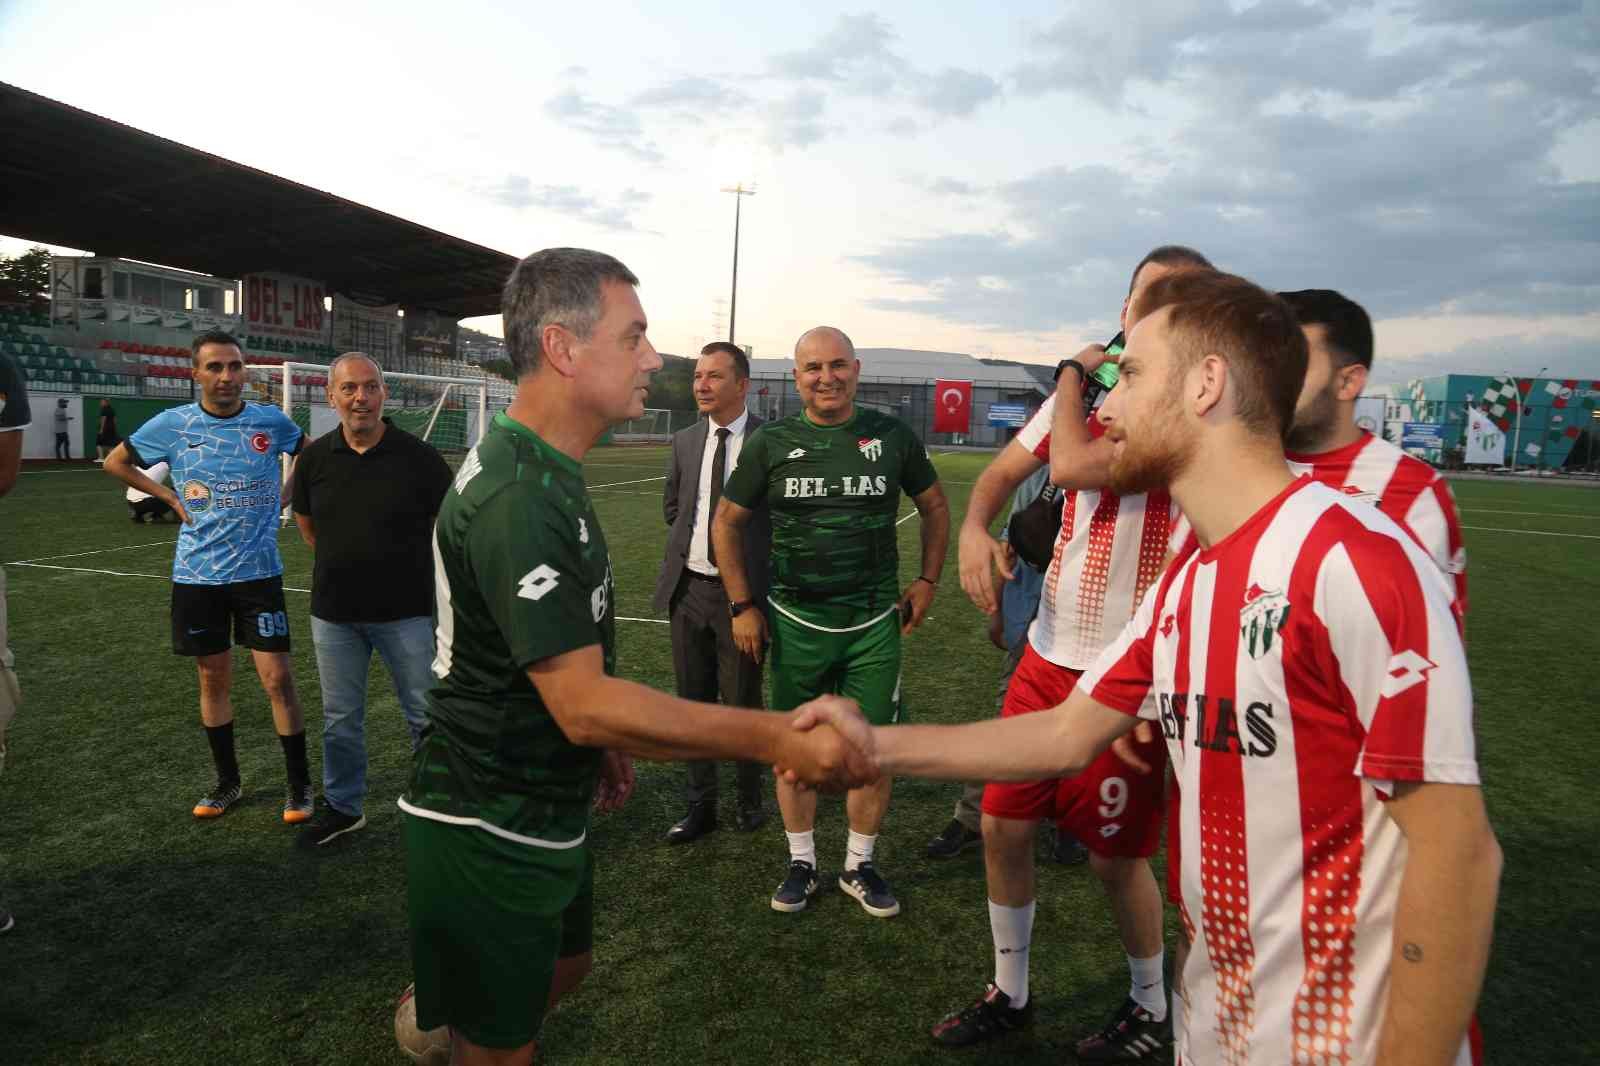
[1559,418]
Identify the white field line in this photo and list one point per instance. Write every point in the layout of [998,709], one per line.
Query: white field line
[617,484]
[286,588]
[97,551]
[912,514]
[1534,532]
[1535,514]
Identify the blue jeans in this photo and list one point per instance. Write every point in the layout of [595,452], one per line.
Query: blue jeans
[344,657]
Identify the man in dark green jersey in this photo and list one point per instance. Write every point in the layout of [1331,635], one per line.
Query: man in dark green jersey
[832,478]
[528,726]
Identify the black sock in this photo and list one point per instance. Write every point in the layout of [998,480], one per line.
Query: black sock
[220,737]
[294,758]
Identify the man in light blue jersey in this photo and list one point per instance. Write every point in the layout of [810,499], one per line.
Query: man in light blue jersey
[227,576]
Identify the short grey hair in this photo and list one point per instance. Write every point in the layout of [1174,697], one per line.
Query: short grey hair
[334,366]
[556,286]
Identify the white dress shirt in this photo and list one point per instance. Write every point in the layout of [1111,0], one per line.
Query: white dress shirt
[699,540]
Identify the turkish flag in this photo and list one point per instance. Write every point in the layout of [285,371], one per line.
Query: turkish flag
[952,406]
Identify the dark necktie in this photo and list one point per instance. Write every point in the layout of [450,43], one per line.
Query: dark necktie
[719,464]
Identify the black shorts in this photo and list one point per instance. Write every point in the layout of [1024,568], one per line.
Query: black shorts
[201,615]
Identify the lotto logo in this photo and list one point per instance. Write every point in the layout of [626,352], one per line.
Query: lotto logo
[536,582]
[1405,670]
[798,453]
[260,442]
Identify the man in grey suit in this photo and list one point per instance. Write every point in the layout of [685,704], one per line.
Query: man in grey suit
[689,589]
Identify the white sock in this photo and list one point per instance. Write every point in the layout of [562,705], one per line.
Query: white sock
[1012,930]
[803,847]
[858,850]
[1148,989]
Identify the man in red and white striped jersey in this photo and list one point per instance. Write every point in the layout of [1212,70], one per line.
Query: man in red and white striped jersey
[1327,444]
[1108,552]
[1311,682]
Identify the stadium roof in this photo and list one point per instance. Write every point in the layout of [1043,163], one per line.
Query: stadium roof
[75,179]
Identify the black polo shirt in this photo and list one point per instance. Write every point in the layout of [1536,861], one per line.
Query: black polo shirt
[373,514]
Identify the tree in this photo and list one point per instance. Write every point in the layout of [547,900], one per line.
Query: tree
[501,367]
[25,278]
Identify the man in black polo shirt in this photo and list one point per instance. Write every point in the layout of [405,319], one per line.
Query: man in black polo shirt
[365,497]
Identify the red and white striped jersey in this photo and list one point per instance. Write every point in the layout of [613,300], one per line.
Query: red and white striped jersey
[1406,489]
[1403,487]
[1299,668]
[1107,555]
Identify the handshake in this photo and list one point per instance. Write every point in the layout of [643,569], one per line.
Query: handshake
[829,746]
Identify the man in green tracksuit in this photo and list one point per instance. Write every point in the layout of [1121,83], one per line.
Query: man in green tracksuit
[832,476]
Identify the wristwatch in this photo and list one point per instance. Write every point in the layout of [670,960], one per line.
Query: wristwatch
[736,609]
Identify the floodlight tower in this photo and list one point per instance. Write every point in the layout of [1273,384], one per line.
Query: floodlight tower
[739,193]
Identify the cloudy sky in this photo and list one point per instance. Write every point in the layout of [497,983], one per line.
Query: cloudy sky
[980,180]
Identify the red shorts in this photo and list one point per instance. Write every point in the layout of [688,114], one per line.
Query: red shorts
[1114,810]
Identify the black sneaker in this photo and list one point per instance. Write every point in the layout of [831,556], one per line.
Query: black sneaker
[214,804]
[871,890]
[991,1016]
[1131,1035]
[326,826]
[797,888]
[953,840]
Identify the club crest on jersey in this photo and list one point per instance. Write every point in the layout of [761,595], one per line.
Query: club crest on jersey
[872,449]
[260,442]
[1261,619]
[1166,626]
[196,497]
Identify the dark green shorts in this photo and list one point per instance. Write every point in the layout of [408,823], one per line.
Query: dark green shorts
[863,664]
[489,919]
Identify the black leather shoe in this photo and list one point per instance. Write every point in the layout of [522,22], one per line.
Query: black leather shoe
[751,818]
[701,819]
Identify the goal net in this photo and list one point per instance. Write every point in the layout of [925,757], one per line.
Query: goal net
[448,412]
[654,426]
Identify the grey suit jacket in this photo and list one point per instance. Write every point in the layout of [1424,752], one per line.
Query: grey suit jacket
[678,501]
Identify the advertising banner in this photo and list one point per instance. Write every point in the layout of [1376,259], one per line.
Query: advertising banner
[430,335]
[1422,435]
[363,327]
[1008,414]
[290,308]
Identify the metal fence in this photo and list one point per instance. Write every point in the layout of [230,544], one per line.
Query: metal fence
[912,401]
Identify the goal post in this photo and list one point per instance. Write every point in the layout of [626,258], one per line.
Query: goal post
[654,426]
[450,413]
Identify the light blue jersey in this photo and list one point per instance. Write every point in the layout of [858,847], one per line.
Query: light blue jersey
[226,472]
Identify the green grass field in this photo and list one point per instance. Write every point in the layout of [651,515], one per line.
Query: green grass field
[145,937]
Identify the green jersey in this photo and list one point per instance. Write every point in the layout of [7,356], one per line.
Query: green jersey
[521,574]
[834,496]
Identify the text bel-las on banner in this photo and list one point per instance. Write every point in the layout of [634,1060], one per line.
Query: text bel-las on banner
[952,406]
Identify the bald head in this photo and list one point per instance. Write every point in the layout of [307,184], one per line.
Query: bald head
[352,362]
[825,374]
[823,341]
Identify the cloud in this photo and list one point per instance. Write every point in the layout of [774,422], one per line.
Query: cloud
[854,54]
[610,127]
[693,97]
[956,93]
[1516,353]
[518,192]
[1409,167]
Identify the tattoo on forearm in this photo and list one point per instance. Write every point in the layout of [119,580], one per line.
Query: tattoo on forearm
[1411,952]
